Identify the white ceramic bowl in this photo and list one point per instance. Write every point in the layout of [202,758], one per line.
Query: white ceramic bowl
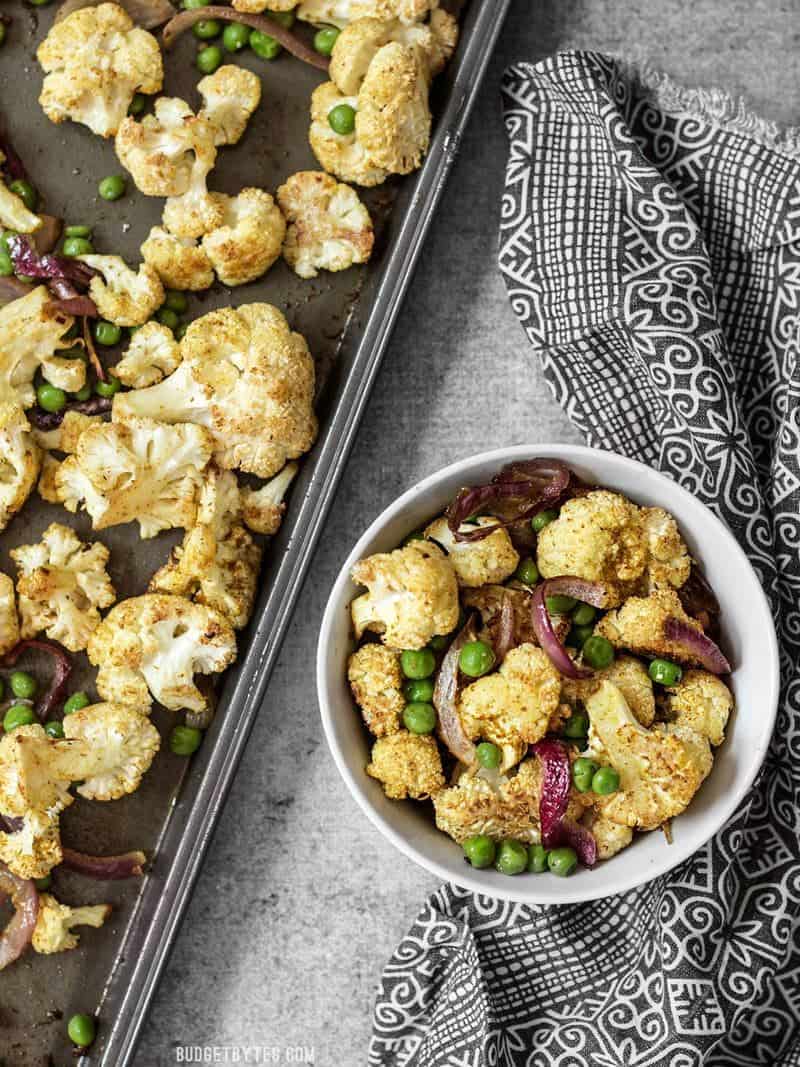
[749,640]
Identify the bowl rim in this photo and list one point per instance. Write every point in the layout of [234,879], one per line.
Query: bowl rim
[506,890]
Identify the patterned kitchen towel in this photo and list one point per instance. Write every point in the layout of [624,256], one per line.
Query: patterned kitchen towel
[650,242]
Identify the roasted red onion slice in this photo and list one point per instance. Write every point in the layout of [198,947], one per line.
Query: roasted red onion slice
[51,420]
[12,164]
[12,288]
[699,600]
[504,636]
[91,351]
[581,839]
[590,592]
[18,933]
[556,829]
[46,237]
[176,26]
[105,868]
[62,668]
[445,698]
[27,261]
[697,645]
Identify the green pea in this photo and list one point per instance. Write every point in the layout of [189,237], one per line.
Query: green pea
[489,755]
[480,851]
[544,518]
[417,664]
[26,192]
[583,615]
[512,857]
[43,884]
[665,672]
[5,237]
[325,39]
[77,246]
[207,29]
[527,572]
[263,45]
[6,264]
[109,387]
[562,861]
[284,18]
[605,781]
[50,398]
[84,393]
[81,1030]
[28,279]
[77,231]
[112,187]
[537,859]
[180,330]
[167,317]
[18,715]
[23,685]
[2,32]
[439,643]
[579,635]
[185,740]
[235,37]
[342,119]
[106,333]
[419,718]
[418,691]
[576,726]
[191,5]
[76,702]
[560,605]
[583,770]
[54,729]
[209,59]
[476,658]
[138,104]
[598,652]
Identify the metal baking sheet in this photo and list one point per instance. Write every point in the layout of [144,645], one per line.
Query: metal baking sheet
[347,319]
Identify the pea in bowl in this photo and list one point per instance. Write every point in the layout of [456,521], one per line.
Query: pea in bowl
[538,685]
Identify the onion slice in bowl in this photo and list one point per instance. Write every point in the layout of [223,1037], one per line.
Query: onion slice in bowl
[18,933]
[445,698]
[555,827]
[590,592]
[697,645]
[105,868]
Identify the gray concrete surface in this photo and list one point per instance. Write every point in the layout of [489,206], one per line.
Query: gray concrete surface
[301,901]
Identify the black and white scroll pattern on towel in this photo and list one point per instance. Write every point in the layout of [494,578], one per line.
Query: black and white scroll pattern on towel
[650,242]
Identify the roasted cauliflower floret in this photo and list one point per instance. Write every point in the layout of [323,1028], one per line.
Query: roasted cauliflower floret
[122,295]
[376,681]
[413,595]
[263,509]
[119,744]
[255,7]
[478,806]
[477,563]
[512,707]
[9,623]
[195,212]
[166,151]
[639,626]
[328,226]
[31,333]
[20,460]
[55,922]
[62,585]
[142,471]
[14,215]
[180,262]
[248,378]
[35,849]
[360,41]
[668,560]
[156,644]
[95,59]
[340,12]
[64,438]
[338,153]
[230,96]
[629,675]
[248,240]
[610,837]
[660,769]
[152,354]
[217,563]
[701,702]
[393,120]
[407,765]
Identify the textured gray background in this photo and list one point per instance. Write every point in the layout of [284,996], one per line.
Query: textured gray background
[301,901]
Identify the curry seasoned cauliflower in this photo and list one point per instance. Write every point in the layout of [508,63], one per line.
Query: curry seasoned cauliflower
[64,438]
[328,226]
[54,924]
[217,563]
[32,330]
[95,60]
[339,153]
[143,471]
[660,769]
[376,682]
[610,837]
[702,702]
[476,805]
[248,239]
[340,12]
[263,509]
[230,96]
[62,584]
[629,675]
[248,378]
[407,765]
[180,262]
[255,7]
[9,623]
[118,744]
[152,354]
[167,150]
[35,849]
[413,595]
[20,460]
[156,643]
[124,296]
[476,563]
[14,215]
[360,41]
[668,559]
[639,626]
[512,707]
[393,120]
